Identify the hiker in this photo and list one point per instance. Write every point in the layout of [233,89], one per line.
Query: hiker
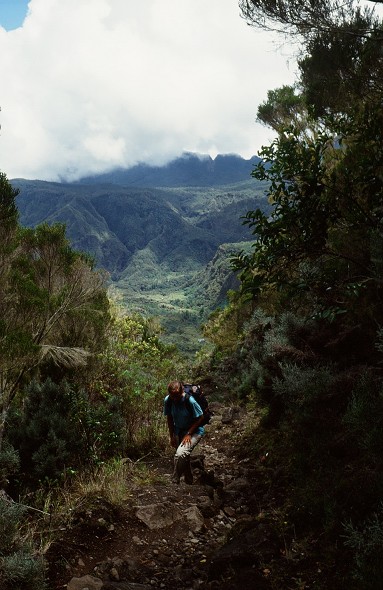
[185,418]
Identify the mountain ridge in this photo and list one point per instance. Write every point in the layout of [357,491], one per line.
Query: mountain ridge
[153,240]
[190,169]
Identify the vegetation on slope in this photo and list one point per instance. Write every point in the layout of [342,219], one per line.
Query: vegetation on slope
[301,341]
[60,422]
[152,242]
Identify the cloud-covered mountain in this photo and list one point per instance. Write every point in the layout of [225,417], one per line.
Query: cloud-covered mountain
[188,170]
[162,245]
[182,224]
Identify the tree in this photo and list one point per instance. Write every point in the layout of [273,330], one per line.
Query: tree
[8,210]
[297,17]
[282,108]
[323,242]
[8,227]
[340,58]
[342,67]
[53,303]
[300,219]
[324,169]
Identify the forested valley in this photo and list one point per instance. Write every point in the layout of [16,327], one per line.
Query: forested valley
[295,352]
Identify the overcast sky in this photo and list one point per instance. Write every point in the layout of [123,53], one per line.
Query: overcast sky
[88,85]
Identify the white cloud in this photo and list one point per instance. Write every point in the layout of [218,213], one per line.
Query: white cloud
[92,84]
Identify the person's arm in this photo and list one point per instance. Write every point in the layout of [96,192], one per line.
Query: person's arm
[187,438]
[173,441]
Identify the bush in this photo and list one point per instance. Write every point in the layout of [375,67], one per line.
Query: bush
[23,571]
[364,416]
[9,463]
[10,515]
[299,386]
[20,569]
[366,542]
[60,429]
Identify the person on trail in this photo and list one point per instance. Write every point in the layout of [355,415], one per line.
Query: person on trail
[185,417]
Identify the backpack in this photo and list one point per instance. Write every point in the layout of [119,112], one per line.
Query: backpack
[196,392]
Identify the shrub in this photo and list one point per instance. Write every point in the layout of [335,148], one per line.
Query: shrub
[60,429]
[20,569]
[10,515]
[9,463]
[299,386]
[23,571]
[366,542]
[364,415]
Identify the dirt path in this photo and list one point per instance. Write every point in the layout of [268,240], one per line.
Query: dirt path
[170,535]
[228,530]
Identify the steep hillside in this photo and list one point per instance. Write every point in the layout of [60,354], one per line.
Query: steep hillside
[155,242]
[210,285]
[114,223]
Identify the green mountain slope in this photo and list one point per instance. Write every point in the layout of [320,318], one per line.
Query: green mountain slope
[181,227]
[156,243]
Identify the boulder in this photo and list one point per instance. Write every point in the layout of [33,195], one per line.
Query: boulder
[159,516]
[194,519]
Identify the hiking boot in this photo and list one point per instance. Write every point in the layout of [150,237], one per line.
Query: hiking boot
[188,476]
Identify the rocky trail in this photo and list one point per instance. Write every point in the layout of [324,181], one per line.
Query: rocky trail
[212,534]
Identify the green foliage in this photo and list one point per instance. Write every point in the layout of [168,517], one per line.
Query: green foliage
[114,409]
[342,65]
[251,345]
[320,250]
[364,416]
[283,107]
[20,568]
[221,328]
[60,430]
[8,209]
[366,541]
[23,571]
[323,170]
[287,330]
[308,357]
[304,402]
[9,463]
[136,368]
[51,299]
[297,228]
[301,386]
